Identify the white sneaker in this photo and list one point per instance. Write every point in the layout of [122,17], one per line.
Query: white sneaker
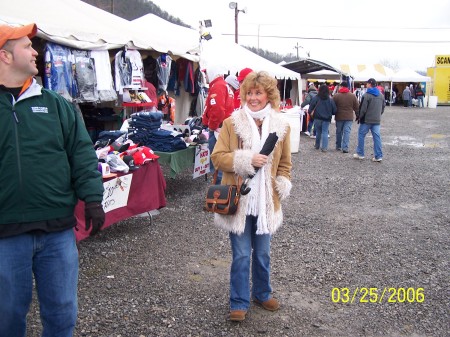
[307,133]
[357,156]
[377,160]
[312,136]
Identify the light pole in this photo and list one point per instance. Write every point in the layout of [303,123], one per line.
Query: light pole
[234,5]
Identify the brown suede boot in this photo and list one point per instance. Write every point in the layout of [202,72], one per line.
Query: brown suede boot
[271,304]
[237,315]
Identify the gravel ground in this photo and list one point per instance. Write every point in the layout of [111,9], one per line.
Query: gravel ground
[348,224]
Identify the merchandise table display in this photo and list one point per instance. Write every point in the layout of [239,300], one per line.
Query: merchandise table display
[177,160]
[128,195]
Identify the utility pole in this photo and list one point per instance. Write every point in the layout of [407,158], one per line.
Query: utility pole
[297,46]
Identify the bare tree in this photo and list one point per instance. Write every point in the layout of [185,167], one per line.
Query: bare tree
[393,64]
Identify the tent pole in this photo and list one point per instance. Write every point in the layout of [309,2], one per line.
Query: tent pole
[390,96]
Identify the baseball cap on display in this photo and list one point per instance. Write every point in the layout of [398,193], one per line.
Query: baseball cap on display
[372,82]
[12,33]
[143,155]
[129,160]
[243,74]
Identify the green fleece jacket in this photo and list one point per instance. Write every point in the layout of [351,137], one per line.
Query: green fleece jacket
[47,158]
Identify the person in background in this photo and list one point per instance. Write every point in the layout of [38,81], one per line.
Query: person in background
[241,77]
[324,108]
[406,96]
[219,106]
[237,153]
[419,95]
[48,163]
[346,104]
[233,83]
[413,96]
[369,118]
[312,92]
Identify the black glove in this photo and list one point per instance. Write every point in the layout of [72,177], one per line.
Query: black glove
[95,216]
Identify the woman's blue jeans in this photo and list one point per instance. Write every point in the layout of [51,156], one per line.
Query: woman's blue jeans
[321,133]
[343,130]
[241,246]
[53,259]
[362,132]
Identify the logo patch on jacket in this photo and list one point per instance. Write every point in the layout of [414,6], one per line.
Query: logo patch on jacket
[39,109]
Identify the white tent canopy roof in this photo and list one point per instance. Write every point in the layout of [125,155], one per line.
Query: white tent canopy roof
[172,38]
[73,23]
[234,58]
[323,74]
[373,72]
[409,75]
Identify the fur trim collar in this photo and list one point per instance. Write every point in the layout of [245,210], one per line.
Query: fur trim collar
[244,131]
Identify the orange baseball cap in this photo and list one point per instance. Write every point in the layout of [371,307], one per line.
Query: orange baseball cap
[12,33]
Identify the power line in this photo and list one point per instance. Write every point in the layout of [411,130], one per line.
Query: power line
[337,39]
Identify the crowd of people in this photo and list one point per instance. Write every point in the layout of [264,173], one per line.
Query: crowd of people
[345,106]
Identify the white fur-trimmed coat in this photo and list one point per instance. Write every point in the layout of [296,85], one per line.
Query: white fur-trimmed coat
[232,161]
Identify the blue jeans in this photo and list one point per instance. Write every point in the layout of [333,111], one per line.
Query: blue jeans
[362,132]
[53,259]
[211,144]
[343,129]
[420,101]
[241,246]
[321,133]
[310,127]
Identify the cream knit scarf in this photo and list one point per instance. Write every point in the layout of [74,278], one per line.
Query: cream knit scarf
[257,196]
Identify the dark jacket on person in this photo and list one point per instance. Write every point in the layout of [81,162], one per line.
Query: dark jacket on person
[346,104]
[371,107]
[312,92]
[419,92]
[324,108]
[48,162]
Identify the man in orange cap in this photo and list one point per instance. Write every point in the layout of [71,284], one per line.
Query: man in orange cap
[48,164]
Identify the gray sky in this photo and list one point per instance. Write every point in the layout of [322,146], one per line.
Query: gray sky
[332,31]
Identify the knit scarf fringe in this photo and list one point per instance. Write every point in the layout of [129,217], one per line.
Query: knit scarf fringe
[257,197]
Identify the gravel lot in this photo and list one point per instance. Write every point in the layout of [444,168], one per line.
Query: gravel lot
[348,224]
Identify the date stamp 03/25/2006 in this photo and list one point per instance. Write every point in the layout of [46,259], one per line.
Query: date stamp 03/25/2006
[377,295]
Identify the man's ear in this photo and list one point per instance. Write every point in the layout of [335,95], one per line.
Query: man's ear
[5,56]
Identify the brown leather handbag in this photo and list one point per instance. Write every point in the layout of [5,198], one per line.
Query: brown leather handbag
[223,199]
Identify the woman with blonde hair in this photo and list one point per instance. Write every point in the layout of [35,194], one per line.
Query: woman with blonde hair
[237,153]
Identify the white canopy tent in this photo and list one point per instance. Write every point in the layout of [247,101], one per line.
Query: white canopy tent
[234,58]
[73,23]
[409,75]
[323,75]
[178,40]
[76,24]
[371,72]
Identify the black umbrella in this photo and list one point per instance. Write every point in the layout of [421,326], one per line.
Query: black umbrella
[267,149]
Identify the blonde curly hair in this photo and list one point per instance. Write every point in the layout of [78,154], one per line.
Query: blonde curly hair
[264,81]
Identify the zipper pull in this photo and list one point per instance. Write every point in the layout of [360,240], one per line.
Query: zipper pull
[15,116]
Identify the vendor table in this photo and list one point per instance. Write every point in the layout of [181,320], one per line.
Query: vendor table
[178,160]
[147,192]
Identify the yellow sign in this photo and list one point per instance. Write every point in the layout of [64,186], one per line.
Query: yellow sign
[442,61]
